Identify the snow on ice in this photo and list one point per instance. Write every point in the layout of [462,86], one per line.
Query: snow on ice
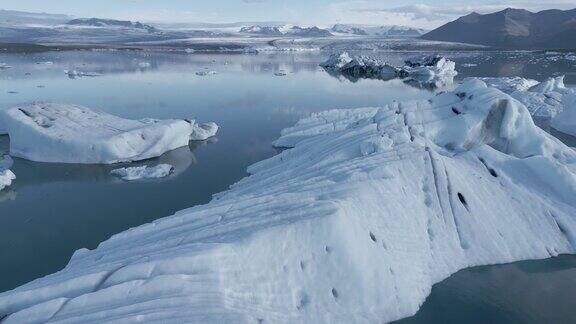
[549,99]
[321,233]
[143,172]
[52,132]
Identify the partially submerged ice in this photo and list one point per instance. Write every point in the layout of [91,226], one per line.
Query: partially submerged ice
[203,131]
[362,67]
[6,175]
[73,74]
[52,132]
[354,224]
[428,72]
[143,172]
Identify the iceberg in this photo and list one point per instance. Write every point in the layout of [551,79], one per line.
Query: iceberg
[354,224]
[204,131]
[53,132]
[431,66]
[6,175]
[550,100]
[362,67]
[73,74]
[205,73]
[143,172]
[430,72]
[543,99]
[565,121]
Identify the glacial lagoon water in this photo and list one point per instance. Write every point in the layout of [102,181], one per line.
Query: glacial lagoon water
[54,209]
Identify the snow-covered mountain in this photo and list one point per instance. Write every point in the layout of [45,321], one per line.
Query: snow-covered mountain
[262,30]
[512,28]
[110,23]
[286,30]
[384,31]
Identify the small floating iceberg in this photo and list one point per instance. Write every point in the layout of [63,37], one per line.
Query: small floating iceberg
[4,66]
[6,175]
[354,224]
[52,132]
[6,178]
[143,172]
[72,74]
[202,132]
[205,73]
[431,66]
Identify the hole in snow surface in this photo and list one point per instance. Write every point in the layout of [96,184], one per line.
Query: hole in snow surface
[462,199]
[335,293]
[373,237]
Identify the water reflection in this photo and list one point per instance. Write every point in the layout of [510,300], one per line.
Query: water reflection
[538,291]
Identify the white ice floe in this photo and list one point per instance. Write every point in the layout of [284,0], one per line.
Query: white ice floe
[202,132]
[4,66]
[143,172]
[205,73]
[6,175]
[6,178]
[45,63]
[353,225]
[144,64]
[78,74]
[52,132]
[431,66]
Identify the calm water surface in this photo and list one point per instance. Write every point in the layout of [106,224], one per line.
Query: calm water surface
[54,209]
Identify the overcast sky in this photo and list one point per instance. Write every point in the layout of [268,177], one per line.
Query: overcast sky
[417,13]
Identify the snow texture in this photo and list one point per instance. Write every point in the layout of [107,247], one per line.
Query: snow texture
[543,99]
[52,132]
[143,172]
[354,224]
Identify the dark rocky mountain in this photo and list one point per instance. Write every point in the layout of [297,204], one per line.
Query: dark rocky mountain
[512,28]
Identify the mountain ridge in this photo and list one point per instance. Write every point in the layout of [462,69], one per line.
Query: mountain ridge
[512,28]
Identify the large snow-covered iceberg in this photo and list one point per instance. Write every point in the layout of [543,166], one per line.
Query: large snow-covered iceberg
[354,224]
[51,132]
